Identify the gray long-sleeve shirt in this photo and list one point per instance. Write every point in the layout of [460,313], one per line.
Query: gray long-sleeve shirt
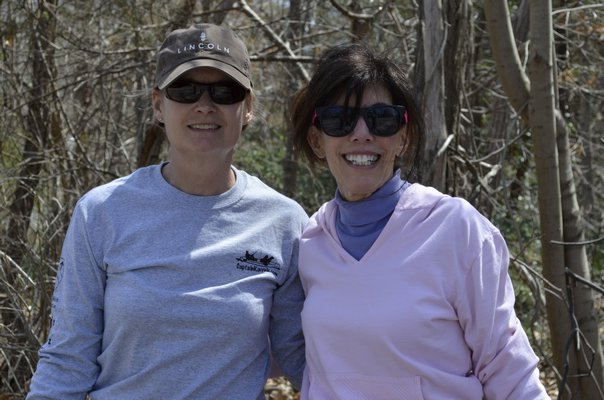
[161,294]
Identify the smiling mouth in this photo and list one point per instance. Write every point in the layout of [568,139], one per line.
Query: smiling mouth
[206,127]
[361,159]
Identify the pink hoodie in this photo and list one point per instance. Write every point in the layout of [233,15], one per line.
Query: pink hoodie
[427,313]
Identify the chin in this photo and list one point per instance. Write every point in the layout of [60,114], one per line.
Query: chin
[358,193]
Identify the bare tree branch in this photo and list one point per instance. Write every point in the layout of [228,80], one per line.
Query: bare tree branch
[272,36]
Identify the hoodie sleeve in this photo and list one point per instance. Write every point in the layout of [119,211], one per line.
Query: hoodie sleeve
[503,359]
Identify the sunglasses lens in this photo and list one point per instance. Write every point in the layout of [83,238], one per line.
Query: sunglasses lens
[186,93]
[340,121]
[227,93]
[336,121]
[220,92]
[383,120]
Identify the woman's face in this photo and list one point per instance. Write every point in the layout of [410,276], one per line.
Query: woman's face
[202,129]
[360,162]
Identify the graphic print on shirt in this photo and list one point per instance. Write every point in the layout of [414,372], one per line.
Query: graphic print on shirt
[257,263]
[55,299]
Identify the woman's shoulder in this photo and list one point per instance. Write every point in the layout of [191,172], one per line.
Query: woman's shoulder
[420,196]
[272,200]
[139,179]
[450,210]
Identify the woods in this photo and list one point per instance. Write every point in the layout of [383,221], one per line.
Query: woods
[513,93]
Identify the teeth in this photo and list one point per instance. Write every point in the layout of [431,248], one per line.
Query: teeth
[204,126]
[361,159]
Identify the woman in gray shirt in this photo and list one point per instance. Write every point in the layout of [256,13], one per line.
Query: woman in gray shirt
[179,280]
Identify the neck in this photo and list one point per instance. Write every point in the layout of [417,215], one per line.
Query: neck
[197,180]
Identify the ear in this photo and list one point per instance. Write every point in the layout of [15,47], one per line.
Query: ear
[248,110]
[403,142]
[315,140]
[156,101]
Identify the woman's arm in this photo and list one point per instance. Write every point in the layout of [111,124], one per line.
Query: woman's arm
[67,367]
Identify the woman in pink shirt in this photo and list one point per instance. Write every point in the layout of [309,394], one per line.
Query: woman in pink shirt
[408,292]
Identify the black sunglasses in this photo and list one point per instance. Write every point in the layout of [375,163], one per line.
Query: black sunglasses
[338,121]
[227,92]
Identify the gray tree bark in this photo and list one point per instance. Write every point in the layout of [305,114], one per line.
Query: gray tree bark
[576,345]
[430,72]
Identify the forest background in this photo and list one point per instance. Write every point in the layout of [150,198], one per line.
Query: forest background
[513,94]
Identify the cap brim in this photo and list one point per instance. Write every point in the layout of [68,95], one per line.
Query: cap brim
[205,62]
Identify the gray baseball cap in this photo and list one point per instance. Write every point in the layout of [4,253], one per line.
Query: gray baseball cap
[202,45]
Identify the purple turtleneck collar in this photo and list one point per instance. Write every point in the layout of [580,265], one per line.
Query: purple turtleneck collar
[359,223]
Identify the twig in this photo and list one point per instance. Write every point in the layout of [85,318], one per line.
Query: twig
[600,239]
[273,35]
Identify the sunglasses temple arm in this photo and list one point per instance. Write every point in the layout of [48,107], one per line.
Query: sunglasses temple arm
[406,117]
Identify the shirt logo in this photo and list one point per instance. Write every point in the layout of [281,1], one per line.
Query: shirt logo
[258,263]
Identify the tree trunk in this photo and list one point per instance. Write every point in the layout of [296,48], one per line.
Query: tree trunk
[566,213]
[543,129]
[458,53]
[515,83]
[587,344]
[589,347]
[432,89]
[40,121]
[290,165]
[457,57]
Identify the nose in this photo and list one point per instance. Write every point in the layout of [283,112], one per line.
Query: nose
[205,104]
[361,133]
